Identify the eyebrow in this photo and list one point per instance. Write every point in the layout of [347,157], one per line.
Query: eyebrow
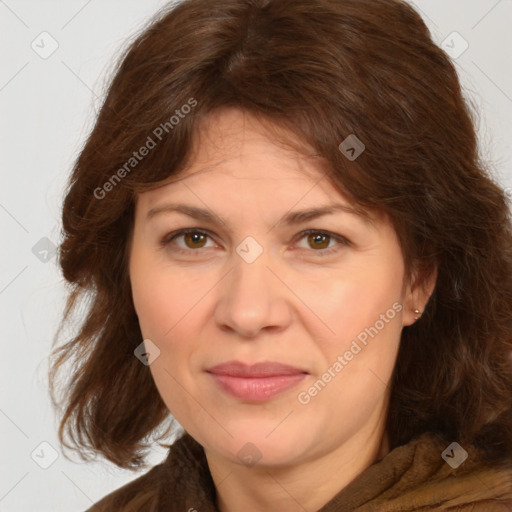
[290,219]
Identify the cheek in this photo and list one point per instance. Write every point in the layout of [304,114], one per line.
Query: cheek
[155,298]
[355,300]
[161,296]
[152,306]
[170,306]
[370,328]
[162,302]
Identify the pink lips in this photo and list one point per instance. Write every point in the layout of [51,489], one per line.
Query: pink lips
[258,382]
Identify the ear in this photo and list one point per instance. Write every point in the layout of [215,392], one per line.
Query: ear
[417,293]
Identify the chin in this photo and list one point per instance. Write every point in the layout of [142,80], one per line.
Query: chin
[254,445]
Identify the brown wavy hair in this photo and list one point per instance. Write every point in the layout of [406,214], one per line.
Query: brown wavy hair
[322,70]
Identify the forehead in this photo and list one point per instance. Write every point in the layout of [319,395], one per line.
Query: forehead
[234,149]
[243,172]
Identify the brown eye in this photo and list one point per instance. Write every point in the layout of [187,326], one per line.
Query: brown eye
[319,240]
[194,239]
[186,240]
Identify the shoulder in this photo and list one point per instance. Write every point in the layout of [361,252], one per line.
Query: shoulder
[140,494]
[448,476]
[144,494]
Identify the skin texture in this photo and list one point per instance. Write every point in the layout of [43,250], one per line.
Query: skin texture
[207,305]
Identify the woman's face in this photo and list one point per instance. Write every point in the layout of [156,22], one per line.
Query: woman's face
[249,285]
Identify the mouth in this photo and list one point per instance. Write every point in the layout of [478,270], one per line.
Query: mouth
[258,382]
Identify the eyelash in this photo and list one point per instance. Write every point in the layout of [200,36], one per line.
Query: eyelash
[167,239]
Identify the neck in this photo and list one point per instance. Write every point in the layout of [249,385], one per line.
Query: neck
[305,486]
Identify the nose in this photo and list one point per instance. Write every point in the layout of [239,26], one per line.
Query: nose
[252,298]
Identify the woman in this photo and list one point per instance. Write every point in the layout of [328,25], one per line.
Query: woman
[290,245]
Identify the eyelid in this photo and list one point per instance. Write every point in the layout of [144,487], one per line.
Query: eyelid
[169,237]
[166,239]
[335,236]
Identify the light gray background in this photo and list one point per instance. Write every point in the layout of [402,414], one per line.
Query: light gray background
[47,109]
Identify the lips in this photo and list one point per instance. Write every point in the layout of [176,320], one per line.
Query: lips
[258,382]
[265,369]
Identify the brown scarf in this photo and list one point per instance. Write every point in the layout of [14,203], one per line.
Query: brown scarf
[413,477]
